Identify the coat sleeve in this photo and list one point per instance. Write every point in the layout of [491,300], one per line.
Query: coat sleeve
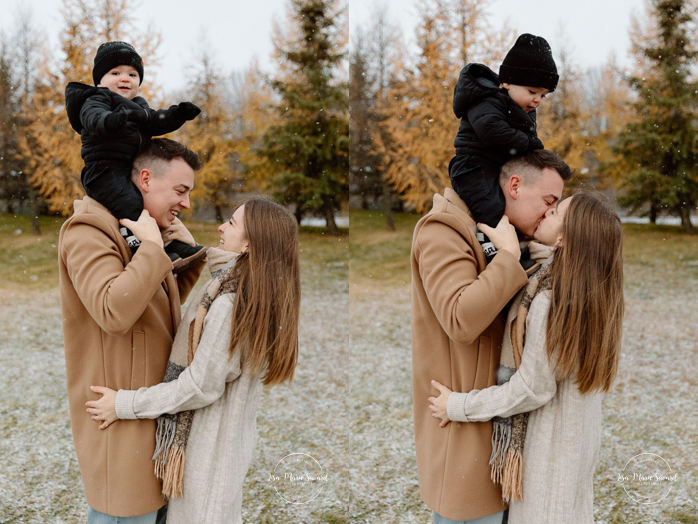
[488,120]
[464,302]
[200,384]
[187,279]
[94,113]
[532,386]
[114,295]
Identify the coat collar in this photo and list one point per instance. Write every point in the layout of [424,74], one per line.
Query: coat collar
[452,198]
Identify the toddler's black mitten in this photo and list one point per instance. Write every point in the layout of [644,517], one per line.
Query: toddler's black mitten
[116,119]
[139,116]
[188,111]
[535,143]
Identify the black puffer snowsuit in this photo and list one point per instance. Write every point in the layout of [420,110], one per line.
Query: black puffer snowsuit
[108,156]
[493,129]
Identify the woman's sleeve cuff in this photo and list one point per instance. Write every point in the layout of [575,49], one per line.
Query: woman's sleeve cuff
[456,407]
[124,404]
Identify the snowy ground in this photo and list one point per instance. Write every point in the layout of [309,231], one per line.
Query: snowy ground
[350,407]
[39,477]
[651,409]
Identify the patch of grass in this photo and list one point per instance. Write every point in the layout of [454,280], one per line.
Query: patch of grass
[684,518]
[382,258]
[30,262]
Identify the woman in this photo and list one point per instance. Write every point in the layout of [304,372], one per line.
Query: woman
[547,404]
[240,332]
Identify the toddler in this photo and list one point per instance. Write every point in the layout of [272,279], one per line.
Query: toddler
[114,123]
[498,122]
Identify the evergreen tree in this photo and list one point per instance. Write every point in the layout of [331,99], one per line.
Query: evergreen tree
[659,149]
[310,146]
[365,180]
[12,187]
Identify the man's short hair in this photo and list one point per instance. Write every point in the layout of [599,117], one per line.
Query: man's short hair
[529,167]
[158,153]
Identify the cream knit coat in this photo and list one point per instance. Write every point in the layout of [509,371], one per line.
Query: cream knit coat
[223,432]
[563,436]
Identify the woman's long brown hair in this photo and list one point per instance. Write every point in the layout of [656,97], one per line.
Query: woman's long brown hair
[267,300]
[585,320]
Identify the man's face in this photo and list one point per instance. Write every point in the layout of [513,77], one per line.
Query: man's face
[165,196]
[123,80]
[526,205]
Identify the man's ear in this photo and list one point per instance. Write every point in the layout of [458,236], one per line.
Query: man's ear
[513,186]
[144,179]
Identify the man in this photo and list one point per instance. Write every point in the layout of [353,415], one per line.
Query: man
[120,314]
[457,328]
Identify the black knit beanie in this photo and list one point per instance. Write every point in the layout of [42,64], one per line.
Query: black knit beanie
[112,54]
[530,63]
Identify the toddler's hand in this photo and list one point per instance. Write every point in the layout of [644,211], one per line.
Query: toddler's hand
[535,143]
[139,116]
[116,119]
[188,110]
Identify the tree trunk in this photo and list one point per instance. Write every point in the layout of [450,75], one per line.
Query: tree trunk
[389,224]
[331,224]
[298,213]
[33,209]
[686,220]
[219,213]
[653,213]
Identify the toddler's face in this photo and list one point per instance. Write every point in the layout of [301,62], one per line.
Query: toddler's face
[122,79]
[527,98]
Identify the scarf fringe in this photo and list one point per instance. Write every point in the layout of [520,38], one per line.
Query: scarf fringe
[512,487]
[501,437]
[164,436]
[172,485]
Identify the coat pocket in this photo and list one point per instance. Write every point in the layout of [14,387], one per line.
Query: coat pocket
[484,357]
[138,360]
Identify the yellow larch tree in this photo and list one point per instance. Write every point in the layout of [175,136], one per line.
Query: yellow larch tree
[562,119]
[418,126]
[209,134]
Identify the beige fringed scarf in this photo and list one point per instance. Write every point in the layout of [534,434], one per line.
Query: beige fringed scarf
[173,430]
[509,434]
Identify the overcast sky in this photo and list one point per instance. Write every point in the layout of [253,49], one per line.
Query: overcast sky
[237,31]
[593,28]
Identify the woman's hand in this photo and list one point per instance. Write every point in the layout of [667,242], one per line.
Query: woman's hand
[178,231]
[146,228]
[503,237]
[439,404]
[104,408]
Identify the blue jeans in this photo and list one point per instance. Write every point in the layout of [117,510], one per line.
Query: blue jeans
[490,519]
[156,517]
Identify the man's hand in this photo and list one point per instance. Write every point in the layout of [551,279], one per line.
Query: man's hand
[439,404]
[146,228]
[105,408]
[178,231]
[503,237]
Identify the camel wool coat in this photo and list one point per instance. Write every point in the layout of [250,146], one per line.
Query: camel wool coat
[458,317]
[120,316]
